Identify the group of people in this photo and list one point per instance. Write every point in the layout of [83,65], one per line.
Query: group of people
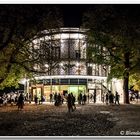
[134,95]
[8,98]
[112,99]
[56,98]
[39,100]
[109,98]
[82,98]
[13,98]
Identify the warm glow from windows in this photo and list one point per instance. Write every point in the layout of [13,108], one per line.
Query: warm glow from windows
[46,65]
[61,64]
[77,64]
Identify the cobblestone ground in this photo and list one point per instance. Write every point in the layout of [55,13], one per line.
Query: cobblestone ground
[86,120]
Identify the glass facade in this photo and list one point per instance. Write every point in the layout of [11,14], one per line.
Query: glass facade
[65,52]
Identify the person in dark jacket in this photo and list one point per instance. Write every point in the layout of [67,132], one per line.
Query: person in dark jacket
[69,103]
[73,102]
[94,96]
[36,99]
[84,99]
[20,102]
[117,98]
[80,98]
[106,98]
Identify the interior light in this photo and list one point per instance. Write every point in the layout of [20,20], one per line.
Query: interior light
[61,64]
[77,64]
[46,65]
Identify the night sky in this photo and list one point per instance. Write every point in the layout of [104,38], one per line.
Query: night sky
[72,13]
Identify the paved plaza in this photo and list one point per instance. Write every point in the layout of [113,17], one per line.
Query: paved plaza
[87,120]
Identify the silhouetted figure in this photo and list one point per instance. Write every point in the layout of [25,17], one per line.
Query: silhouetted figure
[79,98]
[69,103]
[20,102]
[55,99]
[36,99]
[106,98]
[51,97]
[59,102]
[42,99]
[16,99]
[111,98]
[94,96]
[117,98]
[84,99]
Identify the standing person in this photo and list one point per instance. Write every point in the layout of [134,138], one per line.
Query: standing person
[106,98]
[111,98]
[51,97]
[73,102]
[117,98]
[94,96]
[84,99]
[42,99]
[79,98]
[55,99]
[20,101]
[36,99]
[59,99]
[69,103]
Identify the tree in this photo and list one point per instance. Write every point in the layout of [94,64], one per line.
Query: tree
[19,26]
[135,82]
[115,28]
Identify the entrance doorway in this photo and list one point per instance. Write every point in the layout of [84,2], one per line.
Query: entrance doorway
[36,91]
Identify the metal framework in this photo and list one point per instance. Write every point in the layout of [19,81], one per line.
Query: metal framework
[68,50]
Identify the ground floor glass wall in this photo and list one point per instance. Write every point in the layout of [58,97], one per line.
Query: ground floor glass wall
[62,89]
[65,86]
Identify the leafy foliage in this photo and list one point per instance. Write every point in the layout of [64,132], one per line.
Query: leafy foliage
[19,26]
[135,81]
[116,28]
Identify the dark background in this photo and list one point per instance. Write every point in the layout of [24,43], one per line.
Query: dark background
[72,13]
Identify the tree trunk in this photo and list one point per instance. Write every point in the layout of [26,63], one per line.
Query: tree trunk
[126,77]
[125,88]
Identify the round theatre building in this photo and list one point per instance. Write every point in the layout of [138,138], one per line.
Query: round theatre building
[67,66]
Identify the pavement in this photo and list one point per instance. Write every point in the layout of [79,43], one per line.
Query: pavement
[87,120]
